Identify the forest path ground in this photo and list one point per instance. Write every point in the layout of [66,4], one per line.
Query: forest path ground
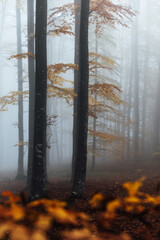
[108,180]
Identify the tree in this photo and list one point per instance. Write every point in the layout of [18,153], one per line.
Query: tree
[82,104]
[94,119]
[20,172]
[38,178]
[2,19]
[31,76]
[76,74]
[136,86]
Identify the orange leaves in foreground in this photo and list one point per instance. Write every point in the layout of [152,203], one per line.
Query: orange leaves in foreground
[51,219]
[35,220]
[135,202]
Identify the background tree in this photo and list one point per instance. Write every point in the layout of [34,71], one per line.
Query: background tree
[31,76]
[76,74]
[20,172]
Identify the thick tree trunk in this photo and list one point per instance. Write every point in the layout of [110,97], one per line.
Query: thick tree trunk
[76,76]
[38,180]
[31,75]
[82,105]
[20,172]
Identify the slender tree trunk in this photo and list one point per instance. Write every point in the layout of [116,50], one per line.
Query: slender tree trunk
[76,76]
[156,125]
[20,172]
[38,180]
[82,105]
[128,154]
[145,87]
[94,120]
[31,75]
[136,87]
[4,4]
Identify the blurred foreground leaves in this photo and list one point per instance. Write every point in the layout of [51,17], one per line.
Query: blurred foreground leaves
[51,219]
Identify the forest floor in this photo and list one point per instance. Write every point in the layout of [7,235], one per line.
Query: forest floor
[107,180]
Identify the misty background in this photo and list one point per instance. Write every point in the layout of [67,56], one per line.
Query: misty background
[135,49]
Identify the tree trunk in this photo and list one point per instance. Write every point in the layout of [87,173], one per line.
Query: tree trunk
[94,120]
[38,180]
[128,154]
[76,76]
[136,87]
[20,172]
[156,125]
[82,105]
[145,87]
[2,19]
[31,75]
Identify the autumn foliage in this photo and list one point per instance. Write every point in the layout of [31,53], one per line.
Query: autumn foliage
[51,219]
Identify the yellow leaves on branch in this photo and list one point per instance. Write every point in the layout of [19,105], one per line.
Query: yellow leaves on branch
[106,12]
[57,20]
[109,138]
[106,91]
[108,63]
[11,99]
[55,87]
[61,68]
[22,56]
[102,12]
[58,30]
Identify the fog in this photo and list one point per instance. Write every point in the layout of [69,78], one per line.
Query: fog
[132,127]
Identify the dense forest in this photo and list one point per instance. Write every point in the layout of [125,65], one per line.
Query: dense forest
[79,119]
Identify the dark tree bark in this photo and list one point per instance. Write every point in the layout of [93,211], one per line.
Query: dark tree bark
[82,105]
[20,172]
[31,75]
[38,180]
[76,76]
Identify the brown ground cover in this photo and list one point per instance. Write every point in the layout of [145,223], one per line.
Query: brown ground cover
[108,182]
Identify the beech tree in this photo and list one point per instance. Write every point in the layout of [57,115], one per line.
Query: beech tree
[76,74]
[136,86]
[20,172]
[31,76]
[82,104]
[38,178]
